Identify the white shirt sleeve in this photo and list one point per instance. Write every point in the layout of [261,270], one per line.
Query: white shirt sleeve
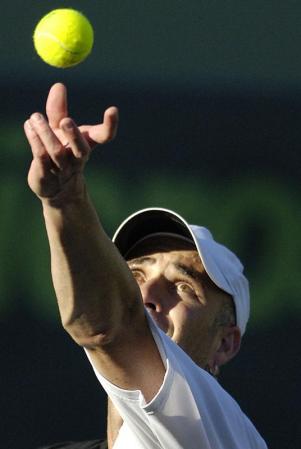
[190,410]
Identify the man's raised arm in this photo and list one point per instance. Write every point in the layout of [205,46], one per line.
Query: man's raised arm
[99,301]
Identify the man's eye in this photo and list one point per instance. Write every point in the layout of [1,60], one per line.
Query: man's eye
[138,275]
[183,287]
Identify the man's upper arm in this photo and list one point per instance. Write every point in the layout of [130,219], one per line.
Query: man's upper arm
[132,361]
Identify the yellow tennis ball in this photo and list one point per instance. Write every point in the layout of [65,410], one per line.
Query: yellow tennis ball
[63,38]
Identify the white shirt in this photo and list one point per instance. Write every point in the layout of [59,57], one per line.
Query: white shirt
[190,411]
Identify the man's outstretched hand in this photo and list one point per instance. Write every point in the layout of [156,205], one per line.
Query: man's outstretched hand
[61,149]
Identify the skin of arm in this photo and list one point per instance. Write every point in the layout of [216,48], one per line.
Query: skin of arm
[99,301]
[114,422]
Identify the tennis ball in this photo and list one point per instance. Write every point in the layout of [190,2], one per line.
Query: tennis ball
[63,37]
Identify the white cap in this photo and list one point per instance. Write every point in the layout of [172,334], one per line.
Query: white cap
[222,265]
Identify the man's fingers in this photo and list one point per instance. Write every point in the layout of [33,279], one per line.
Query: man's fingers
[52,145]
[76,142]
[110,122]
[41,163]
[104,132]
[56,105]
[37,147]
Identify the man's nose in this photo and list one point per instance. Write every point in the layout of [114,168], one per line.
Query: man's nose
[156,294]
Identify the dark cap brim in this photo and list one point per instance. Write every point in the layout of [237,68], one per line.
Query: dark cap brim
[146,222]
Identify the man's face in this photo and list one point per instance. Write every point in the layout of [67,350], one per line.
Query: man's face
[177,293]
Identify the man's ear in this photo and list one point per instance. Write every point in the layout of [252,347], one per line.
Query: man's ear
[229,345]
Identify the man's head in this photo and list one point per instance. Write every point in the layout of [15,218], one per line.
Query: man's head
[192,286]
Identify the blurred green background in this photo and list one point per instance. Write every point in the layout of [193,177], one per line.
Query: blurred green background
[210,102]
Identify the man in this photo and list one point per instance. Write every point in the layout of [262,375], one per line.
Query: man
[158,312]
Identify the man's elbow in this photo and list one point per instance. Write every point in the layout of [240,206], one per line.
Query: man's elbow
[87,334]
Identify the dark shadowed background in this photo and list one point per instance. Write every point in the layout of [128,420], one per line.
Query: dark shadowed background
[210,105]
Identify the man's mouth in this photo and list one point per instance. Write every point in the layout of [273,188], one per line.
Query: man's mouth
[161,321]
